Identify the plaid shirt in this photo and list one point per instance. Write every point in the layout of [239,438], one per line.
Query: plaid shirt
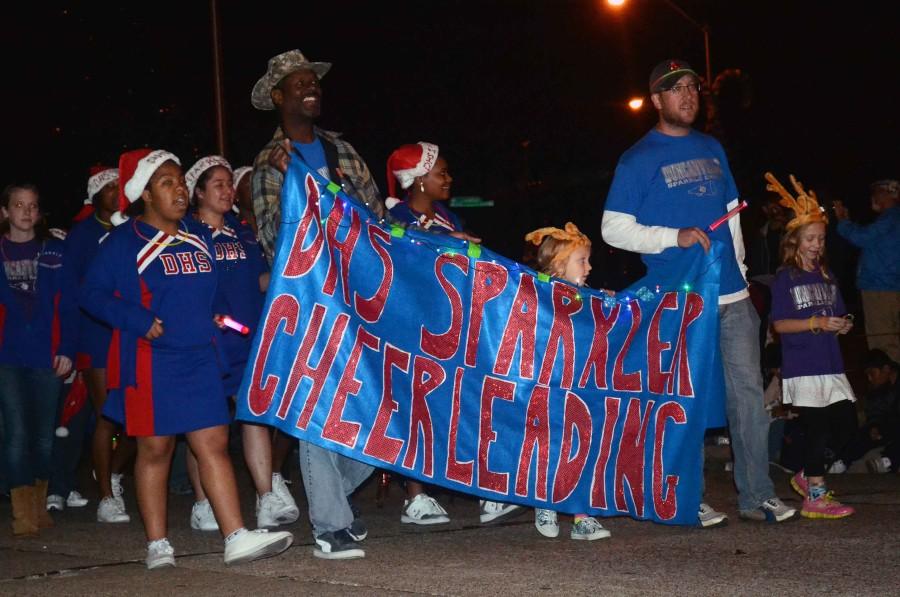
[267,181]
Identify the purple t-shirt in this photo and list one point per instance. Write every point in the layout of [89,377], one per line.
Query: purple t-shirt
[20,264]
[798,294]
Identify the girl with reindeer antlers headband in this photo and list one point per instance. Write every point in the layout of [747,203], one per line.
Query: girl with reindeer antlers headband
[808,312]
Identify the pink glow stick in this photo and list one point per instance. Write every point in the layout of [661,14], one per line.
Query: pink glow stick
[727,216]
[235,325]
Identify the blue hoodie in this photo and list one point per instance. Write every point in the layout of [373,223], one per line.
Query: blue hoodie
[879,263]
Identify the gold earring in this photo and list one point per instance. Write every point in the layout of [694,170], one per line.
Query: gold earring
[421,186]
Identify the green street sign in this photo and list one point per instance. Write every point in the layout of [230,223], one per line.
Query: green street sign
[471,202]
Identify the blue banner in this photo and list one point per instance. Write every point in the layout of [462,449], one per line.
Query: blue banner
[453,365]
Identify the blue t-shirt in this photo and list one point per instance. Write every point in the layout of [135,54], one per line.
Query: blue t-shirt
[314,156]
[678,182]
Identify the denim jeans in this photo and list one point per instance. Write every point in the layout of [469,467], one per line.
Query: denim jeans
[28,399]
[329,478]
[748,421]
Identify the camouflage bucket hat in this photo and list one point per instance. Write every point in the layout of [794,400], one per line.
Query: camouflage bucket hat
[279,67]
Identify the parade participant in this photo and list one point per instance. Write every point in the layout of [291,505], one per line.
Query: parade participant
[92,346]
[806,302]
[153,281]
[37,321]
[879,265]
[243,201]
[565,254]
[425,177]
[243,278]
[667,189]
[291,86]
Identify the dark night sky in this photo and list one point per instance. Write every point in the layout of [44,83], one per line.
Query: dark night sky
[478,78]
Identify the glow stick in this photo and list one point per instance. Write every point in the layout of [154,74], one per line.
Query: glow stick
[235,325]
[727,216]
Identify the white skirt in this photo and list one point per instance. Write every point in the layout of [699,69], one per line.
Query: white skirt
[817,390]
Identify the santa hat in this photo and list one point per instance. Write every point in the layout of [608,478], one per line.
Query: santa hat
[240,173]
[237,176]
[408,162]
[135,169]
[100,176]
[201,166]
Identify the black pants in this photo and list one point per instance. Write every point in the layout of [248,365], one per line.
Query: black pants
[818,425]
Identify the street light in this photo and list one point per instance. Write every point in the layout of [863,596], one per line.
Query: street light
[636,104]
[703,28]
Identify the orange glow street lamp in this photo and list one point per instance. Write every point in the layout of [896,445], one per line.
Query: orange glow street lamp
[636,103]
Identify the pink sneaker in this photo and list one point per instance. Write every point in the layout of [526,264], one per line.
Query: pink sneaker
[800,484]
[825,507]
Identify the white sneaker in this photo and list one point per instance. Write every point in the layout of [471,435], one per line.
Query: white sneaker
[423,509]
[881,464]
[546,522]
[202,517]
[255,545]
[160,554]
[271,512]
[707,517]
[837,467]
[55,503]
[110,510]
[289,512]
[75,500]
[588,529]
[497,511]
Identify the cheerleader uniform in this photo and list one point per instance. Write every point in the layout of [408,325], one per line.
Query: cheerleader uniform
[173,384]
[240,263]
[93,336]
[444,220]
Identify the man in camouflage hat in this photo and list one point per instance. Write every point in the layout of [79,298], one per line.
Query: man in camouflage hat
[292,86]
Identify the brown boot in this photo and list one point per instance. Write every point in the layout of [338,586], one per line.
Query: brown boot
[41,516]
[23,524]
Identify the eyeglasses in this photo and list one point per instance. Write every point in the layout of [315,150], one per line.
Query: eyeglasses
[683,89]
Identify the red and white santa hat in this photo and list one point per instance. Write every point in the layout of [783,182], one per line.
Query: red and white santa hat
[135,169]
[240,173]
[200,166]
[100,176]
[408,162]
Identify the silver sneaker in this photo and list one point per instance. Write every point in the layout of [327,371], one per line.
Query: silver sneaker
[110,509]
[160,554]
[546,522]
[75,500]
[771,510]
[423,509]
[202,517]
[707,517]
[588,529]
[55,503]
[497,511]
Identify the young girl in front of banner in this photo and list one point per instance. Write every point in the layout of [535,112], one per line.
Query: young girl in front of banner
[808,312]
[564,254]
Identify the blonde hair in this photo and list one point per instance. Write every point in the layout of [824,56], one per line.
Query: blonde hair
[790,255]
[555,246]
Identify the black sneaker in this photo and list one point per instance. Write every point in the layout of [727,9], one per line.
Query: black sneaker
[357,530]
[337,545]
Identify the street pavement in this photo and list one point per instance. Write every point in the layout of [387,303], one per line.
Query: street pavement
[855,556]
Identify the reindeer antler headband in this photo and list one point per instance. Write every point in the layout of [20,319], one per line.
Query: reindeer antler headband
[571,235]
[805,206]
